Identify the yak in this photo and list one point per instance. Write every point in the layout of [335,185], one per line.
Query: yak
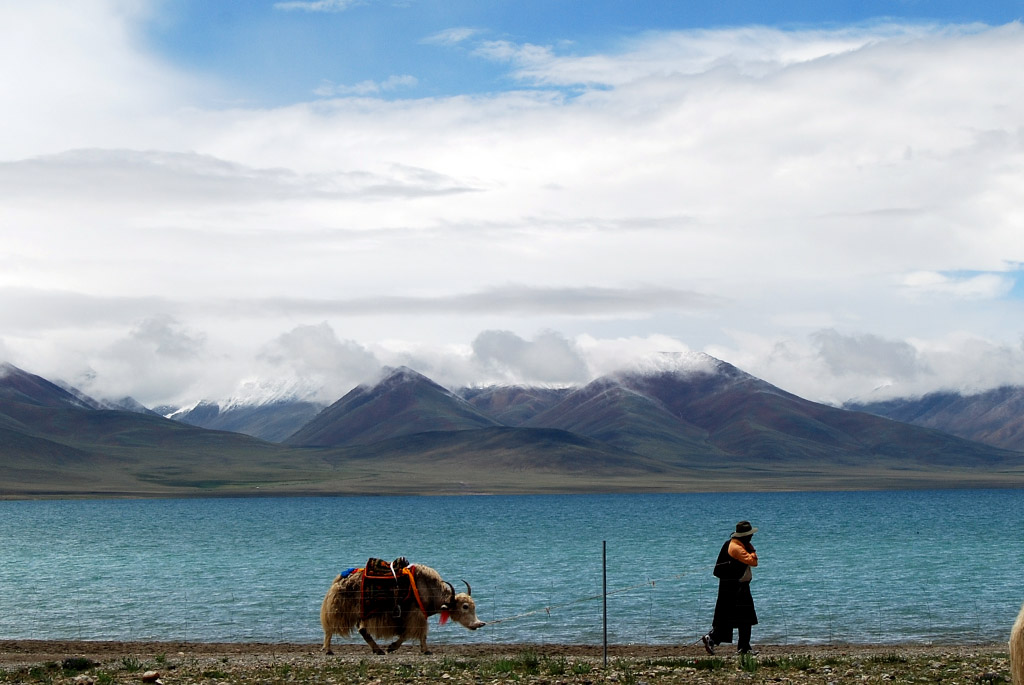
[385,600]
[1017,649]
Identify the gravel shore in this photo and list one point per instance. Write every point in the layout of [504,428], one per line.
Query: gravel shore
[101,663]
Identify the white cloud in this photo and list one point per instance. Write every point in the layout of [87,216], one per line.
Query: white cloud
[313,357]
[528,57]
[733,191]
[608,355]
[74,72]
[367,88]
[127,178]
[452,36]
[547,359]
[756,52]
[317,5]
[165,339]
[834,367]
[159,360]
[976,286]
[867,355]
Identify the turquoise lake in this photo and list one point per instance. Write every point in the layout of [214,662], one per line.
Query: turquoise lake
[927,567]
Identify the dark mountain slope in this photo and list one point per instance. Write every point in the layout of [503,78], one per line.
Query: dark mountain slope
[754,420]
[516,449]
[696,425]
[20,386]
[404,403]
[513,405]
[273,422]
[51,442]
[994,417]
[130,404]
[612,413]
[692,412]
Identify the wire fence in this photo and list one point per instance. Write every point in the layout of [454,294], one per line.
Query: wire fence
[675,608]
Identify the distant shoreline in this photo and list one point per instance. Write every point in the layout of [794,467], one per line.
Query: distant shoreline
[751,485]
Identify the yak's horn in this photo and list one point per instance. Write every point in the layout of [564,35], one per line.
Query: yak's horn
[469,590]
[452,588]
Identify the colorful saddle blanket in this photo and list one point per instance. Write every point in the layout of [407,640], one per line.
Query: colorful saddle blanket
[386,588]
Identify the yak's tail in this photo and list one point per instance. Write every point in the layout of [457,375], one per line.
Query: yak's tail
[1017,649]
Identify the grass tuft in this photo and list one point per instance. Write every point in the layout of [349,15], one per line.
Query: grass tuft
[130,664]
[76,664]
[748,663]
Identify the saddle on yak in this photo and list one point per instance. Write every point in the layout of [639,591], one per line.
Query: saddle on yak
[387,588]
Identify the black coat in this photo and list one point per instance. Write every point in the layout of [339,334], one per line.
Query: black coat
[735,605]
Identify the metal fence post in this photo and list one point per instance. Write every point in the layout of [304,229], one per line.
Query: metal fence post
[604,594]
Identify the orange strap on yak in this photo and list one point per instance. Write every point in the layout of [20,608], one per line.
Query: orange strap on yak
[411,572]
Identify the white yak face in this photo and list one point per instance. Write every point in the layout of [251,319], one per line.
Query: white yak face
[464,611]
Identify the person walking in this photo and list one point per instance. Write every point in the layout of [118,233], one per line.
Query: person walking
[734,607]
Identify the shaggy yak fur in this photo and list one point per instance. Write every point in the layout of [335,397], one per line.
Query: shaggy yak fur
[1017,649]
[340,612]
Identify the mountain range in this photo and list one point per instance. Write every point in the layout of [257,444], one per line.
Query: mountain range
[271,421]
[684,423]
[994,417]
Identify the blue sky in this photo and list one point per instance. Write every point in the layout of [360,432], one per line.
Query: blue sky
[213,200]
[268,54]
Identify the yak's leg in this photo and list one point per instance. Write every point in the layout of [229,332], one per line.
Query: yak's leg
[416,627]
[369,639]
[326,649]
[396,644]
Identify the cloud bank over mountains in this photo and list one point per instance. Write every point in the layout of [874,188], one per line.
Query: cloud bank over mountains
[835,210]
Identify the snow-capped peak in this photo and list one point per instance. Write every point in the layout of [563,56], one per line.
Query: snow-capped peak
[263,391]
[672,362]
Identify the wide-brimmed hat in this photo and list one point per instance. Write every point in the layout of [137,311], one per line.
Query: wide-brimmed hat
[743,530]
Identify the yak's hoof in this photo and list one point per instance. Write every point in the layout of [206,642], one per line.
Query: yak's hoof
[327,651]
[378,650]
